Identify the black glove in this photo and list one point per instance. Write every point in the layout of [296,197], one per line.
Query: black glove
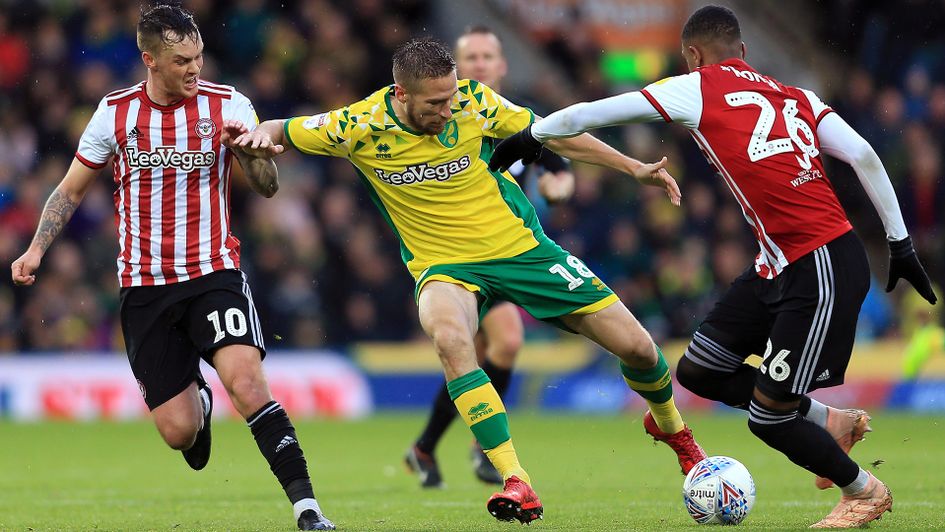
[521,145]
[552,162]
[904,264]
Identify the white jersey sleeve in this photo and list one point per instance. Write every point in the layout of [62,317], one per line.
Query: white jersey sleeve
[580,117]
[97,143]
[820,108]
[678,99]
[240,108]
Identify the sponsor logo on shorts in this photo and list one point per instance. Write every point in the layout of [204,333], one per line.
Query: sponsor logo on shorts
[144,392]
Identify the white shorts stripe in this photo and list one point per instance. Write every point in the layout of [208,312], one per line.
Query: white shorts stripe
[715,347]
[253,315]
[820,324]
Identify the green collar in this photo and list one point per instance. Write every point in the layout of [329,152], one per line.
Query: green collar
[390,111]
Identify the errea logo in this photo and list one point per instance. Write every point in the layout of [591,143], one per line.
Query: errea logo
[478,411]
[383,150]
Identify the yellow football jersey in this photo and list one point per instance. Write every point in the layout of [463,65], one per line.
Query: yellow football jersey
[436,191]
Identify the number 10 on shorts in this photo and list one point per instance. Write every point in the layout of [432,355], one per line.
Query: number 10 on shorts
[578,266]
[233,319]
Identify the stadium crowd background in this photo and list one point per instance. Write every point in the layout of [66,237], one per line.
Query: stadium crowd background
[324,268]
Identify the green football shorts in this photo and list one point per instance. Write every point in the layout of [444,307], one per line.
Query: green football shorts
[547,281]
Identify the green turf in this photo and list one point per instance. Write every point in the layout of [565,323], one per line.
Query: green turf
[592,473]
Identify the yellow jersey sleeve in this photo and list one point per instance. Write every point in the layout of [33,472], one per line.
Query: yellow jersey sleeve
[321,134]
[503,118]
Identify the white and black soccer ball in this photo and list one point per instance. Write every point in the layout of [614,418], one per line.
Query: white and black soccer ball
[719,490]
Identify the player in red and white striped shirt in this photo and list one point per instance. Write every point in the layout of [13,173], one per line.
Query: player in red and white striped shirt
[182,296]
[799,301]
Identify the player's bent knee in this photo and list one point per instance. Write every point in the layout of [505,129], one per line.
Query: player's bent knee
[451,340]
[178,435]
[249,389]
[691,376]
[639,351]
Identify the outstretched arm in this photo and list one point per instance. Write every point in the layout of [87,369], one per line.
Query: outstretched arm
[581,117]
[588,149]
[840,140]
[557,131]
[60,206]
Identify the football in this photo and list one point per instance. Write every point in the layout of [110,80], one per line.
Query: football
[719,490]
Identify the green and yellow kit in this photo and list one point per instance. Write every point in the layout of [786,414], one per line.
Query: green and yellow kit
[456,221]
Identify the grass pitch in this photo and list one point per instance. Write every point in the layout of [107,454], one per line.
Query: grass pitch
[592,473]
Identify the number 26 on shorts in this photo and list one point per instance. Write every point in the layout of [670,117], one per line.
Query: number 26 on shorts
[777,368]
[578,266]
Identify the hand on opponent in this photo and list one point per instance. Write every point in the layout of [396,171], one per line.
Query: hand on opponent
[254,143]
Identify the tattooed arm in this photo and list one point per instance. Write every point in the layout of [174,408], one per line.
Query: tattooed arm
[60,206]
[262,173]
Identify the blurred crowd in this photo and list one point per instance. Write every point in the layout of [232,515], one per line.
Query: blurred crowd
[324,268]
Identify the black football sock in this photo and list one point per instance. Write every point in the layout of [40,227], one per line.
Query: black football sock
[441,415]
[500,377]
[804,443]
[278,443]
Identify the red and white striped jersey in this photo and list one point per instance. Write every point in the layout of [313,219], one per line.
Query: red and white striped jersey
[172,178]
[761,137]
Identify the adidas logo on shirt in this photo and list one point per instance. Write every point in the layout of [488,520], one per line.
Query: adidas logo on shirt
[823,376]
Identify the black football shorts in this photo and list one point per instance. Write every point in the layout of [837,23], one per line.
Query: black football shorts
[803,322]
[168,328]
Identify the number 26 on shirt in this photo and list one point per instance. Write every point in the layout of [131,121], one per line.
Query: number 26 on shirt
[761,146]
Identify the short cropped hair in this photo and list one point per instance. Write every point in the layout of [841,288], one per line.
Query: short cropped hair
[420,59]
[479,29]
[165,25]
[713,24]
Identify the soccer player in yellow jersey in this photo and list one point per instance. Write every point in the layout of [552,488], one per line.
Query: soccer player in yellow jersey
[478,54]
[469,236]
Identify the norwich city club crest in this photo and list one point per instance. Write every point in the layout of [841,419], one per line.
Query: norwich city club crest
[450,134]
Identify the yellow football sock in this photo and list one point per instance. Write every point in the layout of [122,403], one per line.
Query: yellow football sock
[506,463]
[481,408]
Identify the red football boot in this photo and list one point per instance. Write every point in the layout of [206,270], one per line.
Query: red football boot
[517,501]
[687,450]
